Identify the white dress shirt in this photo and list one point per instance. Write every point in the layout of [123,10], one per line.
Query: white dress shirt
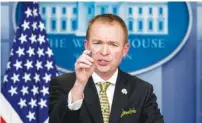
[96,78]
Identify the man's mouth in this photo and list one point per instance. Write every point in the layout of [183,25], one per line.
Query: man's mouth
[103,62]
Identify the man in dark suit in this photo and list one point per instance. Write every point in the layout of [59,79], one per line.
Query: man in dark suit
[98,91]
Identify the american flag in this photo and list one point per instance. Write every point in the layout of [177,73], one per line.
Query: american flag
[31,66]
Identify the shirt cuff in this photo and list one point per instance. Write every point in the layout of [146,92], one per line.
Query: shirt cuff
[76,105]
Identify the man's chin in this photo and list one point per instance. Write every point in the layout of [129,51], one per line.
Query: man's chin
[103,70]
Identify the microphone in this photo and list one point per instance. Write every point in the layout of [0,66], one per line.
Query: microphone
[89,54]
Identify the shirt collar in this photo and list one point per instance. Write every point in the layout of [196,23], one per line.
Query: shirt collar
[97,78]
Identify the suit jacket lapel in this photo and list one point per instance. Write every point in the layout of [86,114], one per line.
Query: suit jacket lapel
[120,100]
[91,100]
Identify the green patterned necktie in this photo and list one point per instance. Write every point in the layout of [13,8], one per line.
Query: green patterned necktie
[104,102]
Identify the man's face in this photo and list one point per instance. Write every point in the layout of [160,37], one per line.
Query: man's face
[107,44]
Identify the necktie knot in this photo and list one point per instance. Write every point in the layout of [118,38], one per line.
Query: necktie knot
[103,86]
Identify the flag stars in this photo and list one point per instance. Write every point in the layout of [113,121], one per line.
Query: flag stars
[30,51]
[35,12]
[20,52]
[24,90]
[36,77]
[38,65]
[11,52]
[33,103]
[15,77]
[8,65]
[26,77]
[13,90]
[35,90]
[41,39]
[44,91]
[28,12]
[40,52]
[49,52]
[41,26]
[42,103]
[47,77]
[33,38]
[22,103]
[5,78]
[25,25]
[34,26]
[49,65]
[22,38]
[18,64]
[28,64]
[30,68]
[31,116]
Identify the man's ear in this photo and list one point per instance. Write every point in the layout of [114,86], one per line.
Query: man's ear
[86,44]
[126,49]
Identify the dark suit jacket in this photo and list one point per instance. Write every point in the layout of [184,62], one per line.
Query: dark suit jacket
[139,96]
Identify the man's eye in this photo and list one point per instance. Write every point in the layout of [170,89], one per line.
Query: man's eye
[114,45]
[96,42]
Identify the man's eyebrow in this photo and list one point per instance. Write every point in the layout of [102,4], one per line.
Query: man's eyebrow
[110,41]
[96,40]
[113,42]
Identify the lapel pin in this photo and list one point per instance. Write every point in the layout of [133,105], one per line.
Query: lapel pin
[124,91]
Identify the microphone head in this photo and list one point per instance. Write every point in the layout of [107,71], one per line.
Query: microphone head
[90,54]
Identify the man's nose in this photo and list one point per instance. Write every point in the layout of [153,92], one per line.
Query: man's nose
[105,50]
